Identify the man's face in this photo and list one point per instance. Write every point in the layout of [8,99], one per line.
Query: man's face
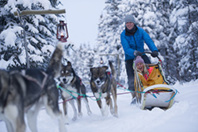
[129,25]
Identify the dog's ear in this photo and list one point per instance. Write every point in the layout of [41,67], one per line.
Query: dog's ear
[105,67]
[91,69]
[69,63]
[91,72]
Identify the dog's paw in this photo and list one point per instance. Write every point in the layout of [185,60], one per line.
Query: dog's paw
[112,111]
[104,112]
[67,123]
[66,120]
[89,113]
[115,115]
[80,114]
[74,118]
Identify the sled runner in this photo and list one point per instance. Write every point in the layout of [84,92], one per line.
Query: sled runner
[155,90]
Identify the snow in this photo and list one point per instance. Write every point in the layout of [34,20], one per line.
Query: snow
[150,18]
[178,15]
[10,35]
[36,58]
[181,117]
[4,63]
[26,3]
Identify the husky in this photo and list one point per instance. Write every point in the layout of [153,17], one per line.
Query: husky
[103,84]
[26,91]
[72,88]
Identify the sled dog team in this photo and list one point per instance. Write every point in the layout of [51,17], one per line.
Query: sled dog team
[24,92]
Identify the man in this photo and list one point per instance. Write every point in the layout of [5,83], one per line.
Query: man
[132,39]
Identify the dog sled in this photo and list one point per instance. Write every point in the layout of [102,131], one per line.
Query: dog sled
[157,92]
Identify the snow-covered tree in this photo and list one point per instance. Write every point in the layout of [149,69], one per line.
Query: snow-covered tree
[184,18]
[84,63]
[40,33]
[164,37]
[109,33]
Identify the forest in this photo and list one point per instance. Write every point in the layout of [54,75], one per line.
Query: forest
[172,24]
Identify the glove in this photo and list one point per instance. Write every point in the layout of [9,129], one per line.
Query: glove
[154,54]
[137,53]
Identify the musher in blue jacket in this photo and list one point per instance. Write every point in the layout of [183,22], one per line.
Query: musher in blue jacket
[132,39]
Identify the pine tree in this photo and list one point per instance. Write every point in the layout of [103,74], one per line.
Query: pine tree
[40,30]
[185,15]
[82,60]
[109,33]
[164,34]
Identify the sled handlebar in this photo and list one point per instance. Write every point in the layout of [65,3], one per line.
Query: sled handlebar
[148,52]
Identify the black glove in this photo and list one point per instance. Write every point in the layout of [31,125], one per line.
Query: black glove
[154,54]
[137,53]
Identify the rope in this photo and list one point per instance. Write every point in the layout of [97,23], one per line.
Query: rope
[131,91]
[79,95]
[124,88]
[172,97]
[70,92]
[152,93]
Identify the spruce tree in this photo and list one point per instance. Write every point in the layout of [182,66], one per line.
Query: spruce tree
[40,32]
[184,17]
[109,33]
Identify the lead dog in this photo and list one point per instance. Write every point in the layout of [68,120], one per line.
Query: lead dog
[72,88]
[27,91]
[102,84]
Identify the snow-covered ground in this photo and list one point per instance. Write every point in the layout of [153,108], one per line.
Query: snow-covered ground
[181,117]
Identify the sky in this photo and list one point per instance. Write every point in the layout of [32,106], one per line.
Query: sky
[181,117]
[82,18]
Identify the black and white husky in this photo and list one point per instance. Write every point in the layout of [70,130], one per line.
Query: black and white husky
[72,88]
[27,91]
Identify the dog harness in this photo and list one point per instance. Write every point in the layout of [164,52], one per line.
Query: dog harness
[109,73]
[35,80]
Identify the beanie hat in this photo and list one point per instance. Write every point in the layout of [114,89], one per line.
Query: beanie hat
[138,60]
[130,18]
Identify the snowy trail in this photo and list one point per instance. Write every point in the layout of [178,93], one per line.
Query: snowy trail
[182,117]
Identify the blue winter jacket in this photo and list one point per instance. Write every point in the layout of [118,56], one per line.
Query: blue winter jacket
[136,42]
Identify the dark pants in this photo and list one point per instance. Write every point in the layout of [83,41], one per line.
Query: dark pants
[130,71]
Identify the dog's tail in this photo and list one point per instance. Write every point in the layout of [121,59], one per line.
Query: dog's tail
[4,87]
[112,69]
[55,63]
